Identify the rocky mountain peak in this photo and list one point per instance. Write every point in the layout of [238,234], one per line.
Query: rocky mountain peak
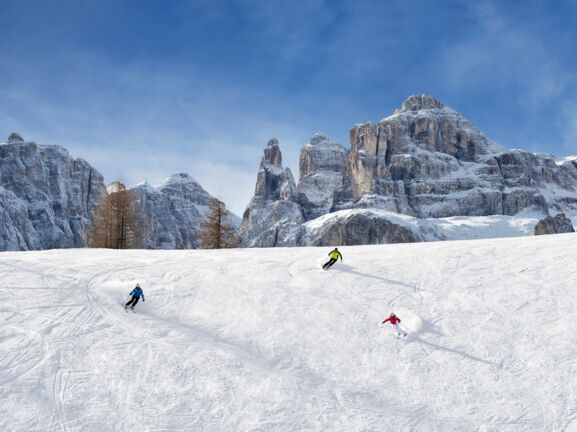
[322,153]
[421,102]
[173,210]
[428,161]
[321,168]
[15,138]
[320,138]
[272,154]
[179,178]
[273,216]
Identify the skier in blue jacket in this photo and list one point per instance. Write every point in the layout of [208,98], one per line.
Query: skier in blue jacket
[136,293]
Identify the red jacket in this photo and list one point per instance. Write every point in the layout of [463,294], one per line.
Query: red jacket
[393,320]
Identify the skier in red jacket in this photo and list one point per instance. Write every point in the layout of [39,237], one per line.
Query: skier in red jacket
[394,321]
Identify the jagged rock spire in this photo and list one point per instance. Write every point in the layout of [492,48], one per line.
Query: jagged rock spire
[273,217]
[274,182]
[272,154]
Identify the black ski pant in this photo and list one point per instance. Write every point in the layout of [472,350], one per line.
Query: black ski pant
[330,263]
[133,301]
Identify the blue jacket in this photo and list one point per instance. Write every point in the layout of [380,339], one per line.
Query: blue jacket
[137,292]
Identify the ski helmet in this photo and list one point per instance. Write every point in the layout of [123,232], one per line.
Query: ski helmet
[392,314]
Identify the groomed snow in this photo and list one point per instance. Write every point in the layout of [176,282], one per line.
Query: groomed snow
[264,340]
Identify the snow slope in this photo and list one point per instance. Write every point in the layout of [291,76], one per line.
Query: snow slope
[264,340]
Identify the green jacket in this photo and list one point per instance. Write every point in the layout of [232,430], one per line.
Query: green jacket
[335,255]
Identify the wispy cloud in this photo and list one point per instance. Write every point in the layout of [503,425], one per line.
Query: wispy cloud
[502,54]
[201,86]
[146,124]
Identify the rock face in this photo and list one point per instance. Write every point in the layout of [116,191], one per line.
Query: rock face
[425,161]
[46,196]
[273,217]
[429,161]
[321,174]
[174,211]
[47,199]
[554,225]
[358,227]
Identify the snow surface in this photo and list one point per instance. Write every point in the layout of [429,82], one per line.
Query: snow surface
[562,160]
[264,340]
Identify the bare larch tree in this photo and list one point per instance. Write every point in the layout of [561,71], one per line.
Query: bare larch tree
[115,223]
[217,230]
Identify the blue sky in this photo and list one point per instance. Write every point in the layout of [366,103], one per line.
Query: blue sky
[144,89]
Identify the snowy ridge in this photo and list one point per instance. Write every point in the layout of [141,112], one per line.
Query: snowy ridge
[434,229]
[562,160]
[181,178]
[273,343]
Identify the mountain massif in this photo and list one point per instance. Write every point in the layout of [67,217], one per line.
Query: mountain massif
[425,161]
[399,181]
[175,209]
[47,198]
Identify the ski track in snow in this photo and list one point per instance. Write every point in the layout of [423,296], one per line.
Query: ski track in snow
[265,340]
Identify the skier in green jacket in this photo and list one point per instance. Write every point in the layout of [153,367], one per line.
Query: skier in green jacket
[335,254]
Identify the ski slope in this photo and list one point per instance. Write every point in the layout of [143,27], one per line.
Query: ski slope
[264,340]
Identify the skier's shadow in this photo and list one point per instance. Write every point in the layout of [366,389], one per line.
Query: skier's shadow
[348,269]
[428,327]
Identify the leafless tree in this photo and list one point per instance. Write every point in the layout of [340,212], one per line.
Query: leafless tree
[115,223]
[217,230]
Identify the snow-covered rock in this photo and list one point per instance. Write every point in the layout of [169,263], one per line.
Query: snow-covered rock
[425,161]
[321,166]
[47,199]
[558,224]
[361,227]
[173,211]
[16,229]
[46,196]
[374,226]
[274,216]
